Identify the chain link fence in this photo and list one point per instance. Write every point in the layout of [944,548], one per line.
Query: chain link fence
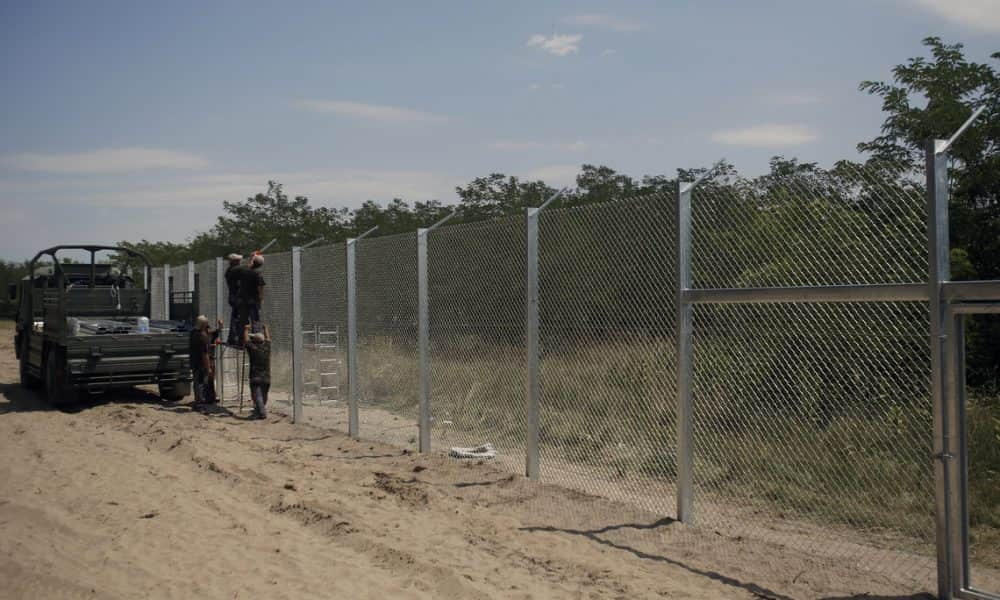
[206,284]
[816,412]
[157,291]
[607,292]
[476,275]
[388,365]
[811,421]
[324,329]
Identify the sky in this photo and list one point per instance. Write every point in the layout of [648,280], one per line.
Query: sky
[132,120]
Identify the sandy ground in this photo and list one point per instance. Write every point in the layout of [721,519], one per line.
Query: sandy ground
[131,497]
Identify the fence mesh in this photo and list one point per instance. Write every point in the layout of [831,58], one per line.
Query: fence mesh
[815,413]
[388,363]
[324,327]
[851,225]
[157,307]
[276,313]
[206,280]
[607,293]
[476,308]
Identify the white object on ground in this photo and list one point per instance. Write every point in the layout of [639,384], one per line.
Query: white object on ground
[484,451]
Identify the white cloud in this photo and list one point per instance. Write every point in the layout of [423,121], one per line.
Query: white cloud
[608,52]
[560,45]
[605,21]
[535,86]
[108,160]
[980,15]
[370,112]
[556,175]
[577,146]
[764,136]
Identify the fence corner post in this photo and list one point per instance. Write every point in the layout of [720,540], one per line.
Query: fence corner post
[685,360]
[352,340]
[532,381]
[947,492]
[297,359]
[423,341]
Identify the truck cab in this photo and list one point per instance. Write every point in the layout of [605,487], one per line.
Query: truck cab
[84,328]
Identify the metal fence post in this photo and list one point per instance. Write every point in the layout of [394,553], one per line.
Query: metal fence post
[423,341]
[220,313]
[352,340]
[190,284]
[939,272]
[532,382]
[685,359]
[166,292]
[297,355]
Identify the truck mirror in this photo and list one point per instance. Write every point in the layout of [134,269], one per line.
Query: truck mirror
[12,291]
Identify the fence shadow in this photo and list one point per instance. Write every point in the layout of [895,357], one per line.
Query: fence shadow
[594,536]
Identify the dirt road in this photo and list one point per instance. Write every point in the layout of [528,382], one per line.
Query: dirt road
[131,497]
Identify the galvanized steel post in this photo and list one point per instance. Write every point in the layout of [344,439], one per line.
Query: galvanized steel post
[297,354]
[939,272]
[352,339]
[685,359]
[191,285]
[166,292]
[532,382]
[423,342]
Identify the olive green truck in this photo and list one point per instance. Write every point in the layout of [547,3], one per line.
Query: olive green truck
[84,329]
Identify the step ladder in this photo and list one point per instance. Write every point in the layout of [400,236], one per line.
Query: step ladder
[322,366]
[235,371]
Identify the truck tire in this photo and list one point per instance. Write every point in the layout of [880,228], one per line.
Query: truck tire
[28,381]
[175,392]
[56,388]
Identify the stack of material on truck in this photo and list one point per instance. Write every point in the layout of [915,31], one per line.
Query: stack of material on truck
[169,325]
[103,327]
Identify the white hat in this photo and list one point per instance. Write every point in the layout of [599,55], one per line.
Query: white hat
[235,257]
[258,259]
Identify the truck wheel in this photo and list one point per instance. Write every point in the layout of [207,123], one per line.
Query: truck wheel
[56,388]
[175,392]
[28,381]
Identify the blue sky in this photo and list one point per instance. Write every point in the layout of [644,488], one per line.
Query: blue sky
[137,119]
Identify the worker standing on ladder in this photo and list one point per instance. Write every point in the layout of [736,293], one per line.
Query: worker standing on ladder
[234,275]
[258,346]
[251,293]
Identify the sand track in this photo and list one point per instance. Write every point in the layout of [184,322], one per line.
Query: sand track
[131,497]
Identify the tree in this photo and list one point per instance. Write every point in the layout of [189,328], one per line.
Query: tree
[498,195]
[953,87]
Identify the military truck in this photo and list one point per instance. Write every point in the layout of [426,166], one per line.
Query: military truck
[83,329]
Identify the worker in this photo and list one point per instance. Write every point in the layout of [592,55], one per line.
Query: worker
[258,346]
[251,295]
[234,274]
[200,344]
